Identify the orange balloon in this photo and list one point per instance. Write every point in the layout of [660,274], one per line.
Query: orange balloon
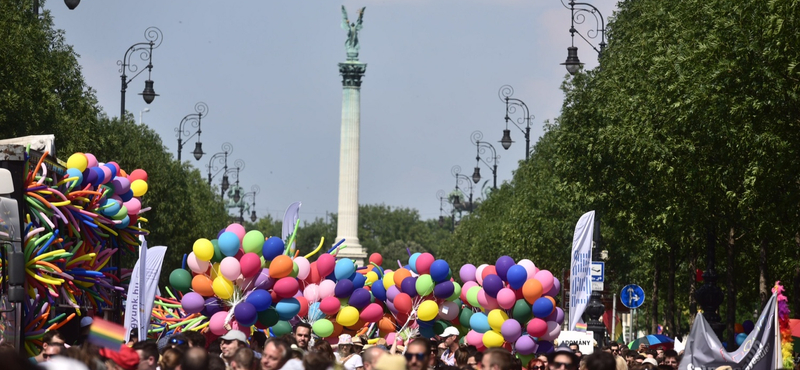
[738,328]
[400,275]
[358,325]
[552,300]
[488,270]
[532,290]
[337,330]
[201,285]
[280,267]
[386,324]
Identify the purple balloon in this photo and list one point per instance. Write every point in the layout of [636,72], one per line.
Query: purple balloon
[492,284]
[391,307]
[343,288]
[192,303]
[360,298]
[212,306]
[511,330]
[467,272]
[555,289]
[525,345]
[557,315]
[444,290]
[544,347]
[502,265]
[245,313]
[409,286]
[391,293]
[263,281]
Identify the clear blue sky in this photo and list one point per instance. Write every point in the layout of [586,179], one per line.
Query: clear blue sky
[268,72]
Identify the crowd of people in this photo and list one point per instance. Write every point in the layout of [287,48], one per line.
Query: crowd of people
[300,351]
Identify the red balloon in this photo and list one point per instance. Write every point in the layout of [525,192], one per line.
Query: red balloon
[376,258]
[137,174]
[313,274]
[303,306]
[402,302]
[424,262]
[325,264]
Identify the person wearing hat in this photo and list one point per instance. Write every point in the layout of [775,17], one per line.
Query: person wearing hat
[231,341]
[86,324]
[450,345]
[562,357]
[347,354]
[124,359]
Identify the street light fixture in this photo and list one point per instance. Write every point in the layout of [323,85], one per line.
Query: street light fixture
[579,11]
[201,109]
[443,198]
[222,159]
[505,93]
[481,147]
[238,166]
[72,4]
[254,191]
[154,38]
[462,179]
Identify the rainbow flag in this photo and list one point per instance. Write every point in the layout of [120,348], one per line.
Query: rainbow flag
[106,334]
[581,326]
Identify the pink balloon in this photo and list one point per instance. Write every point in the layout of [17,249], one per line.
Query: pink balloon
[474,338]
[553,330]
[530,268]
[390,338]
[537,327]
[465,289]
[372,313]
[107,175]
[424,262]
[506,298]
[479,275]
[555,289]
[326,288]
[92,160]
[311,293]
[229,268]
[195,264]
[303,267]
[238,230]
[467,272]
[217,323]
[330,305]
[487,302]
[134,205]
[325,265]
[250,264]
[546,278]
[286,287]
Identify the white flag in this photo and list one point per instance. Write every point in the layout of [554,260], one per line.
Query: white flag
[290,218]
[580,283]
[142,290]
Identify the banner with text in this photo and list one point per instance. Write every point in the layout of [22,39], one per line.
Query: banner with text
[142,291]
[580,283]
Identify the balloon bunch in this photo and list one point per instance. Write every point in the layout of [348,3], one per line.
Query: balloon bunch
[507,297]
[77,219]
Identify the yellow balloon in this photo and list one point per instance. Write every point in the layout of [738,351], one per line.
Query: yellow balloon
[78,161]
[203,249]
[214,270]
[347,316]
[372,277]
[427,310]
[492,338]
[223,288]
[496,319]
[388,279]
[139,187]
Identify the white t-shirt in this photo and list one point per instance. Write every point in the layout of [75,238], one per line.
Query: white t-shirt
[353,363]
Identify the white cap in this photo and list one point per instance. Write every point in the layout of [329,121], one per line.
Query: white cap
[450,331]
[235,335]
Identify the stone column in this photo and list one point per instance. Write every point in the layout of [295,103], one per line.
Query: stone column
[347,225]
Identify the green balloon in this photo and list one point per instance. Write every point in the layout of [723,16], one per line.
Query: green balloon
[218,256]
[439,326]
[424,285]
[121,213]
[295,270]
[456,292]
[464,317]
[181,280]
[472,296]
[526,358]
[323,328]
[281,328]
[253,242]
[521,311]
[268,317]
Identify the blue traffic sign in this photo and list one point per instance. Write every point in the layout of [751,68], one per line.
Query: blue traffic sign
[632,296]
[598,272]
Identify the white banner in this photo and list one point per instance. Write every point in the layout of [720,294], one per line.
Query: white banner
[140,300]
[290,218]
[580,282]
[584,340]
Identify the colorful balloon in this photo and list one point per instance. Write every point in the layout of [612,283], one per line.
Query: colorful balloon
[427,310]
[253,242]
[203,249]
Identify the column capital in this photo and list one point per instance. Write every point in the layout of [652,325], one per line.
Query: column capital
[351,72]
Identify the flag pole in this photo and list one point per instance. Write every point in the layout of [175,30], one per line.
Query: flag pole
[614,319]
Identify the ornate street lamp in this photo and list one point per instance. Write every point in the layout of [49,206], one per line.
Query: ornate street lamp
[254,191]
[462,179]
[220,158]
[238,167]
[201,109]
[154,38]
[505,93]
[481,147]
[444,199]
[579,11]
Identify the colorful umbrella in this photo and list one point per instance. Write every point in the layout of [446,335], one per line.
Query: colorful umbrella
[653,341]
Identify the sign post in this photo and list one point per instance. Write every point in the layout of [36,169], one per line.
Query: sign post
[632,296]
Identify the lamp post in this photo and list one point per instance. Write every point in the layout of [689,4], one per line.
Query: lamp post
[254,191]
[462,179]
[222,159]
[481,147]
[238,166]
[505,93]
[154,37]
[579,11]
[595,308]
[709,295]
[195,119]
[443,198]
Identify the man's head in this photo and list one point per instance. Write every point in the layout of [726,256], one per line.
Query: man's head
[195,339]
[497,359]
[302,334]
[671,358]
[614,349]
[148,355]
[195,359]
[276,353]
[371,356]
[450,338]
[601,361]
[418,354]
[178,341]
[562,359]
[52,350]
[124,359]
[574,347]
[51,337]
[544,360]
[243,359]
[231,342]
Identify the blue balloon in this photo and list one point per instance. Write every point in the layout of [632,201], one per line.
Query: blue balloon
[343,289]
[344,268]
[228,243]
[412,262]
[360,298]
[740,338]
[245,314]
[748,326]
[542,307]
[516,276]
[89,177]
[427,332]
[123,223]
[440,271]
[109,207]
[314,313]
[426,324]
[73,172]
[287,308]
[479,322]
[101,177]
[273,247]
[212,306]
[260,299]
[359,280]
[379,291]
[492,285]
[126,196]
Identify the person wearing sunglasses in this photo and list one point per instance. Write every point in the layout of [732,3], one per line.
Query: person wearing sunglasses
[178,341]
[562,359]
[53,350]
[535,364]
[418,354]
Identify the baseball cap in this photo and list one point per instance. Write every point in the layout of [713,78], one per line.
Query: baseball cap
[450,331]
[126,357]
[86,321]
[235,335]
[650,361]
